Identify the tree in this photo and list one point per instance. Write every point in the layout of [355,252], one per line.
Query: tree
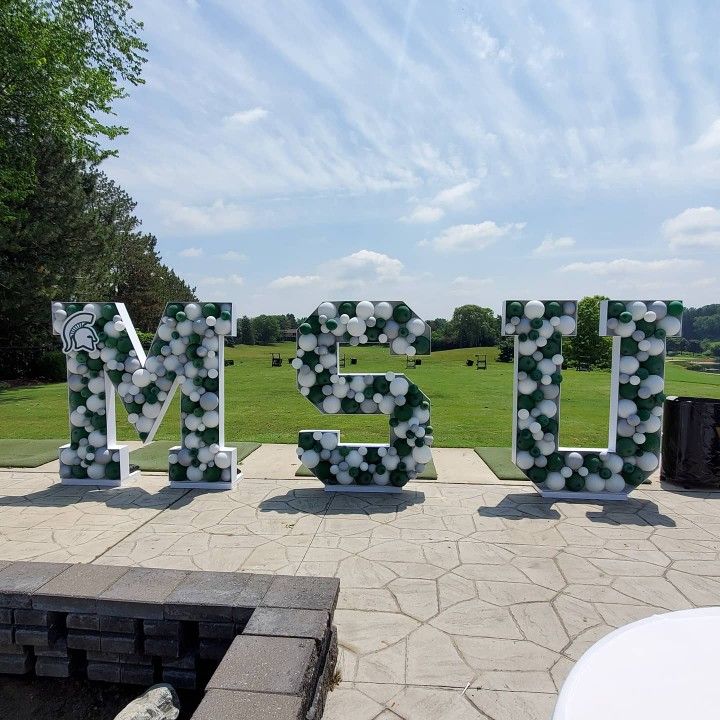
[77,238]
[266,329]
[473,326]
[62,65]
[588,348]
[506,349]
[247,334]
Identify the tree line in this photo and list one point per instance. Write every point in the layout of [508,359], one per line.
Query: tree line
[67,231]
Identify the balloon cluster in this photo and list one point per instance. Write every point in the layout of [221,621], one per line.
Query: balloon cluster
[185,351]
[392,394]
[641,328]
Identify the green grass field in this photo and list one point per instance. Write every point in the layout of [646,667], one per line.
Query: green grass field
[470,407]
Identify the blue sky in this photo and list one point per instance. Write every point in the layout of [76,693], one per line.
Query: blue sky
[437,152]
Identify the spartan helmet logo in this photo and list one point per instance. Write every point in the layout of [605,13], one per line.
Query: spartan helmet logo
[78,332]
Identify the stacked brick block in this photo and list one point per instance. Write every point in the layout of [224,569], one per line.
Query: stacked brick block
[266,644]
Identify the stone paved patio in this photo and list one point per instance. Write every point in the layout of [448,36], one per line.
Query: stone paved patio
[463,598]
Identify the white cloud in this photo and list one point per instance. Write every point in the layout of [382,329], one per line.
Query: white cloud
[474,237]
[485,46]
[457,195]
[362,266]
[710,139]
[550,245]
[232,255]
[623,267]
[246,117]
[288,281]
[211,219]
[694,227]
[363,269]
[423,214]
[191,252]
[216,280]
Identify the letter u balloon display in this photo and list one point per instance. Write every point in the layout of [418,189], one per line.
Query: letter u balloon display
[638,329]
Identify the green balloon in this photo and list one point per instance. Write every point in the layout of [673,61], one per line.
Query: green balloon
[322,470]
[349,406]
[401,313]
[675,308]
[555,462]
[305,441]
[615,309]
[514,309]
[553,309]
[421,345]
[398,478]
[575,482]
[537,474]
[625,447]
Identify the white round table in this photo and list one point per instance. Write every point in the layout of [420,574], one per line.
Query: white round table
[664,667]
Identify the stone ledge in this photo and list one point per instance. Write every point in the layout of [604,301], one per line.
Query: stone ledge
[265,642]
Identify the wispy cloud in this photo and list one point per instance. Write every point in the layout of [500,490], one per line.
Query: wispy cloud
[552,245]
[232,256]
[216,280]
[694,227]
[623,267]
[474,237]
[246,117]
[424,214]
[289,281]
[457,195]
[218,217]
[191,252]
[710,139]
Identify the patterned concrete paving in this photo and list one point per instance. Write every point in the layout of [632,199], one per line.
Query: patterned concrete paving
[459,599]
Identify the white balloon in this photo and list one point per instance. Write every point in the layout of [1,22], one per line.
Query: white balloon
[383,310]
[566,325]
[307,342]
[574,460]
[637,309]
[222,459]
[594,483]
[534,309]
[364,309]
[615,484]
[310,459]
[524,460]
[626,408]
[554,482]
[671,325]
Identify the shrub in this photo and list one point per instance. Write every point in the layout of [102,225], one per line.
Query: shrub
[50,366]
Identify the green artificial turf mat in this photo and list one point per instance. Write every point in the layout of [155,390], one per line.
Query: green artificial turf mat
[429,473]
[28,453]
[154,457]
[499,461]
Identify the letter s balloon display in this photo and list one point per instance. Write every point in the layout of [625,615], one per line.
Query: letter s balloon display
[365,467]
[638,329]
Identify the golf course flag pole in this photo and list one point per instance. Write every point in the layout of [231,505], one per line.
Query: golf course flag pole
[638,329]
[366,467]
[104,355]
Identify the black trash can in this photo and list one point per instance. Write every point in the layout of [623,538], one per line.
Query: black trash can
[691,442]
